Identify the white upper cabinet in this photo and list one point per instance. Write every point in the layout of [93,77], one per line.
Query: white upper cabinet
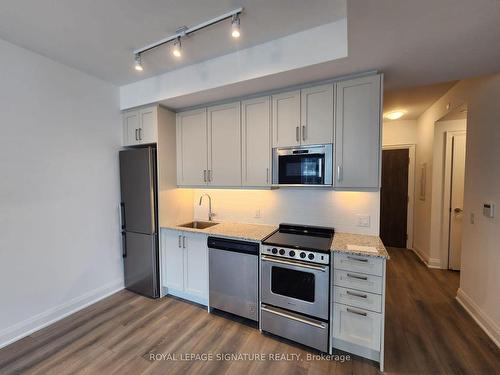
[140,126]
[224,146]
[286,119]
[192,166]
[256,141]
[317,115]
[357,133]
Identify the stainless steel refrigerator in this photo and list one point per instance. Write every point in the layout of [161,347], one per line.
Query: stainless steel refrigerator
[140,220]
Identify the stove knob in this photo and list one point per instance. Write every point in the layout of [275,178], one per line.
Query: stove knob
[274,250]
[291,253]
[282,252]
[302,255]
[311,256]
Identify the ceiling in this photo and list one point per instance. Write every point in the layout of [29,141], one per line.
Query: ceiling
[98,37]
[414,43]
[415,100]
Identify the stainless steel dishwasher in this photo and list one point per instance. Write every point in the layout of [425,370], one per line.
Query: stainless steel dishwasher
[233,276]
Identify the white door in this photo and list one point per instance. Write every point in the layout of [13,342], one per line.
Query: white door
[457,200]
[256,141]
[224,147]
[286,119]
[196,268]
[173,260]
[357,133]
[148,125]
[192,148]
[317,115]
[131,128]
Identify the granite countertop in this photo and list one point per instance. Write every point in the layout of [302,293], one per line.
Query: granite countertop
[249,232]
[342,241]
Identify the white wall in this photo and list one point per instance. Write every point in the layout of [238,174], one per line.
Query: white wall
[399,132]
[59,192]
[298,206]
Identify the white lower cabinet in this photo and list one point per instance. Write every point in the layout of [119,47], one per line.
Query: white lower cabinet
[185,265]
[357,326]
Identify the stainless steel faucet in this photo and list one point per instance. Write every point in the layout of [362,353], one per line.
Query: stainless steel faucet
[210,214]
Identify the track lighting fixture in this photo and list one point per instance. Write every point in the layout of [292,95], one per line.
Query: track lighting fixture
[176,48]
[234,15]
[138,64]
[235,26]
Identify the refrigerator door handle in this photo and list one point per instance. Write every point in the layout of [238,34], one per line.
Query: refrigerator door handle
[122,214]
[124,244]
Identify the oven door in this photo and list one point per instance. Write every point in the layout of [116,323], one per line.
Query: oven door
[303,166]
[294,285]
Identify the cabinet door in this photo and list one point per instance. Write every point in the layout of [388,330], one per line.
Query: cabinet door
[131,128]
[224,153]
[286,119]
[317,115]
[256,141]
[357,133]
[148,132]
[173,260]
[192,148]
[357,326]
[196,266]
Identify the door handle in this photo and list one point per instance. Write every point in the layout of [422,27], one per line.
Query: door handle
[265,258]
[124,244]
[357,277]
[356,294]
[180,243]
[267,175]
[282,313]
[303,133]
[458,210]
[122,214]
[297,137]
[362,260]
[356,312]
[339,173]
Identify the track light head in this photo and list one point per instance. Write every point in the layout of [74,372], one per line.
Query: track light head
[137,63]
[235,26]
[176,48]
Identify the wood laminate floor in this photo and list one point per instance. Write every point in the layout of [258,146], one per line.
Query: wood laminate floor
[427,332]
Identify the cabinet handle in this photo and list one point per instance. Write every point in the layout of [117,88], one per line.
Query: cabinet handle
[180,241]
[267,175]
[140,134]
[303,133]
[204,175]
[363,260]
[356,294]
[136,138]
[356,312]
[183,242]
[357,277]
[297,137]
[339,173]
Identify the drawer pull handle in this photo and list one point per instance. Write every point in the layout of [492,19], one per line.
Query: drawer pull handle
[364,260]
[357,277]
[356,294]
[356,312]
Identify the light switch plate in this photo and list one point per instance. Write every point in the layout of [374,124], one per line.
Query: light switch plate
[489,210]
[363,221]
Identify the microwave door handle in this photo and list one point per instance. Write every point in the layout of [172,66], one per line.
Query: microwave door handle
[320,166]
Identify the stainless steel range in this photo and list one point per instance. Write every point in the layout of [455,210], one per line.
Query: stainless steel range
[295,279]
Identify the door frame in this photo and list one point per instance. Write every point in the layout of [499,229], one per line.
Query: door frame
[411,187]
[445,235]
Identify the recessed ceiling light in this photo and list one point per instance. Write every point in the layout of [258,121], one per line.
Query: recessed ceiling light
[235,26]
[138,64]
[394,115]
[176,49]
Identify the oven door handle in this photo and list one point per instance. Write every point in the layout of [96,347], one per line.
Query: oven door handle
[296,264]
[293,317]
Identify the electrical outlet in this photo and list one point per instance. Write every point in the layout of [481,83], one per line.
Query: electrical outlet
[363,221]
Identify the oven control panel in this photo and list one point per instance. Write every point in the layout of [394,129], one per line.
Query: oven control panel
[303,255]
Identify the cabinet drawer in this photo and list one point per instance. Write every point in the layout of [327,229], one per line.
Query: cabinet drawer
[358,263]
[356,298]
[357,326]
[358,281]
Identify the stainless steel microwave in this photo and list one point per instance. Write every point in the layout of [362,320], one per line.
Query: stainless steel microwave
[303,165]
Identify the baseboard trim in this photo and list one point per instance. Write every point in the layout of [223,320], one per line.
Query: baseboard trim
[429,262]
[52,315]
[482,319]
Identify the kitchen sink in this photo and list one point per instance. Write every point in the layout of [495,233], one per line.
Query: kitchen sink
[198,224]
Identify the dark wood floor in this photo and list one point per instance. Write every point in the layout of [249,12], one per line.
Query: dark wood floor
[427,332]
